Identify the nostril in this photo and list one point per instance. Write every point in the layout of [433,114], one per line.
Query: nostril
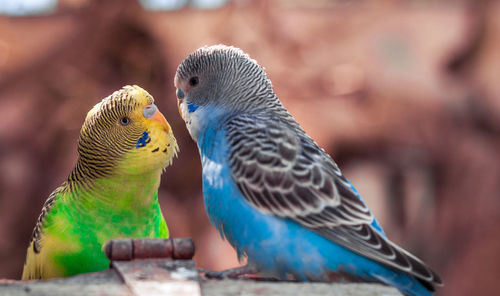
[180,93]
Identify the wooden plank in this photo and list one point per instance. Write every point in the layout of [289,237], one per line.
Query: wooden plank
[159,277]
[104,283]
[258,288]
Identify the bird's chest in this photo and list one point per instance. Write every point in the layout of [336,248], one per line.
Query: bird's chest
[74,239]
[242,225]
[218,187]
[227,209]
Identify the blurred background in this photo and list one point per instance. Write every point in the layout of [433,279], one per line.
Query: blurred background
[403,95]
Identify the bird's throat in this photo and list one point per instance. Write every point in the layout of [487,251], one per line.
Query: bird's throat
[119,192]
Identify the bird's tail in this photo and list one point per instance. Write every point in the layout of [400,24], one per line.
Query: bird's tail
[406,284]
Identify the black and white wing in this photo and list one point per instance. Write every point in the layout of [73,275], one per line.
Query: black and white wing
[281,171]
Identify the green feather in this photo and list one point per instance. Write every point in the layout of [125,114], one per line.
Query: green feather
[85,220]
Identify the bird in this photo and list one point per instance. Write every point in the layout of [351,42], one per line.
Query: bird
[125,143]
[272,192]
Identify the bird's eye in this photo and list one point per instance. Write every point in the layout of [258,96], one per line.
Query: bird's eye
[193,81]
[124,120]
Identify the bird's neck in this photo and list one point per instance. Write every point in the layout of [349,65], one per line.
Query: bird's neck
[116,192]
[204,119]
[208,141]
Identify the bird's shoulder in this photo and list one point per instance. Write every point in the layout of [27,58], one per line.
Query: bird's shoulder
[281,170]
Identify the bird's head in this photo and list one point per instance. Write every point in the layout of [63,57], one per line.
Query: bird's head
[125,133]
[221,77]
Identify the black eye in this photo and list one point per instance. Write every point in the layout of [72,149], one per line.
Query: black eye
[193,81]
[124,121]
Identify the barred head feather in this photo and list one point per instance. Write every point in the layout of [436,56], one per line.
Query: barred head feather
[227,76]
[111,130]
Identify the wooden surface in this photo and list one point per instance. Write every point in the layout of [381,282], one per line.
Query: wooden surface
[250,288]
[179,278]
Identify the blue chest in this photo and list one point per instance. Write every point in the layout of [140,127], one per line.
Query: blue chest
[277,246]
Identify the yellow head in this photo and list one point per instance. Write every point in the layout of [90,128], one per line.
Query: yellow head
[124,134]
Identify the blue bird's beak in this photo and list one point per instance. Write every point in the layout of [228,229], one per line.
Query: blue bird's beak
[179,102]
[180,99]
[179,93]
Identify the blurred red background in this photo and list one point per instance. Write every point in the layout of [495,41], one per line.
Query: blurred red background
[402,94]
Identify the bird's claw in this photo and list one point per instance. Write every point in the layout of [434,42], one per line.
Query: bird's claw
[218,275]
[233,273]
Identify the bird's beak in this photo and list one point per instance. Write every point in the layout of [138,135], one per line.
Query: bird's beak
[152,113]
[179,102]
[158,117]
[180,99]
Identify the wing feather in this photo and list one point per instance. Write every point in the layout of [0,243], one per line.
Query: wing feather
[33,265]
[281,171]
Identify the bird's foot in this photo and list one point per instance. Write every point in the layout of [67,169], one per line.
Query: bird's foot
[232,273]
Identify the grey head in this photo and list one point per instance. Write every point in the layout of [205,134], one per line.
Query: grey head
[222,75]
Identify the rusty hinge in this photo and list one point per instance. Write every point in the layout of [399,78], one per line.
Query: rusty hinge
[143,248]
[148,266]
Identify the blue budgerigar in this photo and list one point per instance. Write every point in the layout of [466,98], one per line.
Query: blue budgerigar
[272,192]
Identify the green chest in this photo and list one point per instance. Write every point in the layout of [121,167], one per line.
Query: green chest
[75,233]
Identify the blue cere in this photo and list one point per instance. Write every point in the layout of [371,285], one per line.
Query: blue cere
[142,140]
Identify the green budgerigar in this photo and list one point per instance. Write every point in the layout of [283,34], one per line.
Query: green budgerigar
[125,144]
